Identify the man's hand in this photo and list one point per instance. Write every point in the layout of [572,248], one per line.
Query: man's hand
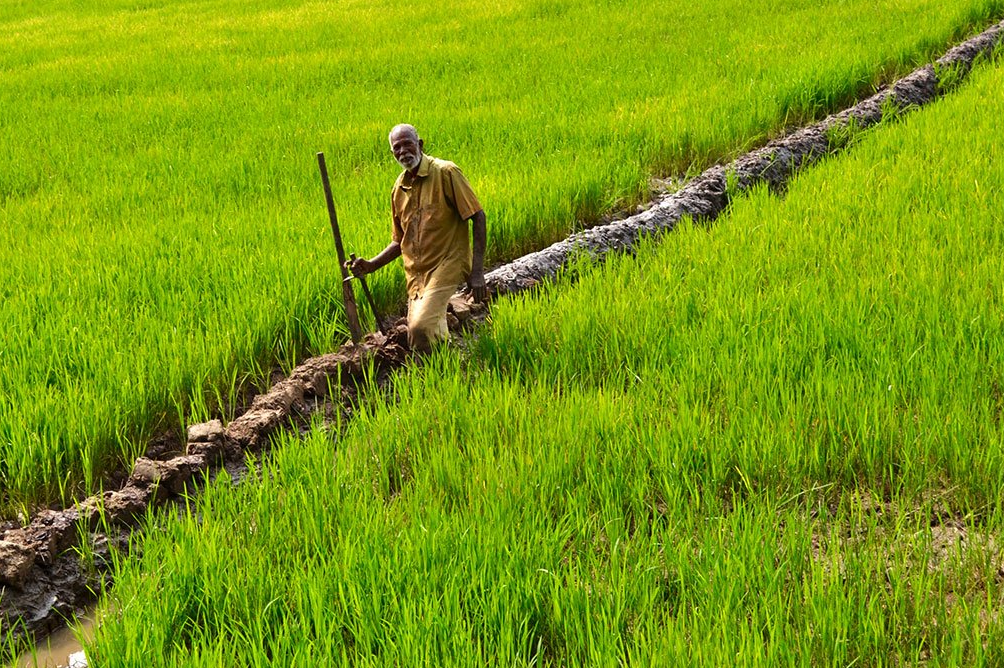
[476,284]
[360,267]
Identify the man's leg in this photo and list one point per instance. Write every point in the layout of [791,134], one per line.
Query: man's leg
[427,317]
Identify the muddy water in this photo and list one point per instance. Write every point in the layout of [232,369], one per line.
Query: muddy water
[55,651]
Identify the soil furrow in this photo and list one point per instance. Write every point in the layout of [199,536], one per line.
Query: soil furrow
[46,576]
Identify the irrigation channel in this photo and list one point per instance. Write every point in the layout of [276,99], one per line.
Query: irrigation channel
[52,569]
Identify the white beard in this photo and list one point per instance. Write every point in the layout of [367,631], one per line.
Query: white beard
[411,162]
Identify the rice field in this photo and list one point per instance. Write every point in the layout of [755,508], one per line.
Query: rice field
[163,240]
[775,441]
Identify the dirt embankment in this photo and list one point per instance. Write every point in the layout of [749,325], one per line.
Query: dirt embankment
[45,574]
[708,195]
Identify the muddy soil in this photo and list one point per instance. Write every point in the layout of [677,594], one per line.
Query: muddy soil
[45,575]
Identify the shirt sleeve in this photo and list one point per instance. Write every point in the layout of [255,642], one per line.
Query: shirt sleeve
[460,193]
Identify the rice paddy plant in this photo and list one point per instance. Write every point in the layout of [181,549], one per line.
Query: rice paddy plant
[163,233]
[772,442]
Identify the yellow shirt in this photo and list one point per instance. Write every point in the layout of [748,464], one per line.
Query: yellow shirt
[430,213]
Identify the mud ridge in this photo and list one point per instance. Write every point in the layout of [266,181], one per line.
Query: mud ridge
[54,567]
[706,196]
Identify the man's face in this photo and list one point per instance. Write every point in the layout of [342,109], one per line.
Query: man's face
[407,150]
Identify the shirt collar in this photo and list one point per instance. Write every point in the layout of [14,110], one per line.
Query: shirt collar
[423,167]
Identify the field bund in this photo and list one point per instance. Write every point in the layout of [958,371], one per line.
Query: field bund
[163,239]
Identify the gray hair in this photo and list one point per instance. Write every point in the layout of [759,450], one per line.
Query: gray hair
[403,128]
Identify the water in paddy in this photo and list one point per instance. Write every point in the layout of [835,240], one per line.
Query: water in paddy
[55,651]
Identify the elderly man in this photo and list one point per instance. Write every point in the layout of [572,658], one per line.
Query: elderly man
[431,203]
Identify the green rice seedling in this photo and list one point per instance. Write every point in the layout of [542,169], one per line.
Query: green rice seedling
[163,231]
[770,442]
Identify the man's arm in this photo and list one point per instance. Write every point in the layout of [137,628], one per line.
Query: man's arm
[476,281]
[362,267]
